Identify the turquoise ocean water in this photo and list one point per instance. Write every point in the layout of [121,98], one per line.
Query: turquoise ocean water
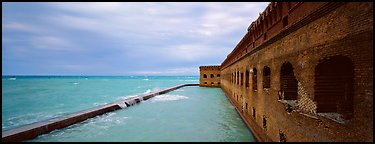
[186,114]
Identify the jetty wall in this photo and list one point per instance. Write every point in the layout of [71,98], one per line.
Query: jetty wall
[32,131]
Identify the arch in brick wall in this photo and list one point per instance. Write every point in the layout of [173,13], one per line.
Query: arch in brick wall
[334,86]
[288,82]
[266,77]
[204,76]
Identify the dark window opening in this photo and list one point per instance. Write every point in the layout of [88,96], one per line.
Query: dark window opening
[212,75]
[255,79]
[204,76]
[246,106]
[285,21]
[282,136]
[247,74]
[218,75]
[266,77]
[212,83]
[218,83]
[334,86]
[253,112]
[205,83]
[264,122]
[265,36]
[288,82]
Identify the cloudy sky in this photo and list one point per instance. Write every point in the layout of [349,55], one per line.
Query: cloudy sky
[121,38]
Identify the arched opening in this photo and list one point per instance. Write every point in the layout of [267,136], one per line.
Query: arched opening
[212,83]
[285,21]
[212,75]
[334,86]
[255,79]
[266,77]
[247,83]
[254,115]
[204,76]
[264,122]
[288,82]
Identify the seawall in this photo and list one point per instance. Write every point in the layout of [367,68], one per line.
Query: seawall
[311,81]
[31,131]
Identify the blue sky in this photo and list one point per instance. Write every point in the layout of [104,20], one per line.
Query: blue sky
[121,38]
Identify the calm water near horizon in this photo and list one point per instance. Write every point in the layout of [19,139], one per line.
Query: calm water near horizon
[186,114]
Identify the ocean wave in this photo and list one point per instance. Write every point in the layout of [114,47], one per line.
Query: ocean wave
[146,79]
[167,97]
[75,83]
[12,78]
[148,91]
[99,123]
[98,104]
[129,96]
[29,118]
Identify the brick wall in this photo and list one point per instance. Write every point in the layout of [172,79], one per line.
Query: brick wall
[331,29]
[212,78]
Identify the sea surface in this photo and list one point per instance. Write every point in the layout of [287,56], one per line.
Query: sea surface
[186,114]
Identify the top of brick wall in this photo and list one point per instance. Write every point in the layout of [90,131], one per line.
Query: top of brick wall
[209,67]
[277,17]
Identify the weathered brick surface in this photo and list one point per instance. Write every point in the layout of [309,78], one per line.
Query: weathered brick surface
[212,78]
[315,33]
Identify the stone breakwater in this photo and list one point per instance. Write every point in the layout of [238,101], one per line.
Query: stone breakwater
[34,130]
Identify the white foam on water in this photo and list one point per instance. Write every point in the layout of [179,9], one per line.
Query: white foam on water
[75,83]
[179,90]
[122,104]
[146,79]
[126,97]
[167,97]
[98,104]
[30,118]
[12,78]
[148,91]
[105,121]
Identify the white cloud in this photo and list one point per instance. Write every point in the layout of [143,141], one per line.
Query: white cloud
[190,52]
[215,19]
[23,27]
[53,43]
[169,32]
